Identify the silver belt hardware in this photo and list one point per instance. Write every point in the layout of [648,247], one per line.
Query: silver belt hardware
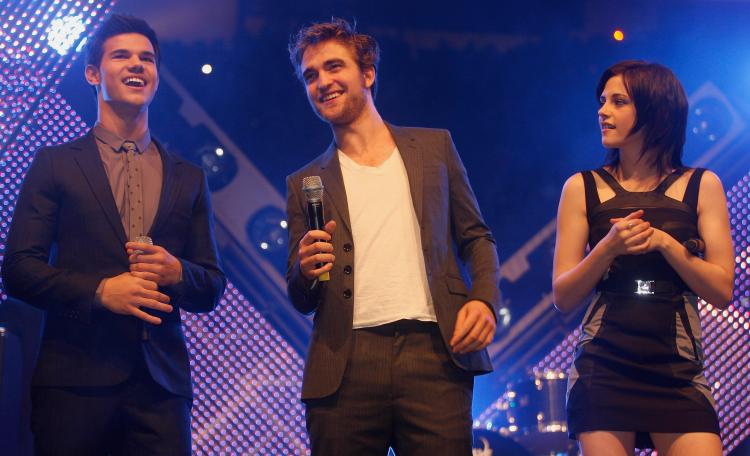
[644,287]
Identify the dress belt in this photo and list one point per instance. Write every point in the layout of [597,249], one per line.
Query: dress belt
[641,287]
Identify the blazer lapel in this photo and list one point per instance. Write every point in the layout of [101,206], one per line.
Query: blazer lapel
[412,157]
[333,182]
[90,162]
[170,187]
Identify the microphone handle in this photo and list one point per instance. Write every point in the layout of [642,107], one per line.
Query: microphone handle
[315,221]
[695,246]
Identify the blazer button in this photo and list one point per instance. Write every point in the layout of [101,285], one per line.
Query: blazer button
[347,247]
[347,293]
[347,269]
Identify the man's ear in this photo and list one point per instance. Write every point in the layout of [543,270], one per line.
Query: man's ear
[369,75]
[92,75]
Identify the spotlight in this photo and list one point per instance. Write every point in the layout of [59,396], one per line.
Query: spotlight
[713,125]
[63,32]
[708,121]
[618,35]
[267,230]
[207,68]
[505,317]
[220,167]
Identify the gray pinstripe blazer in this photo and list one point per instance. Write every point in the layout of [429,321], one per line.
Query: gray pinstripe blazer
[451,224]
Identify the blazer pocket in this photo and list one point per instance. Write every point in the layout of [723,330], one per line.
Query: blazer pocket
[456,286]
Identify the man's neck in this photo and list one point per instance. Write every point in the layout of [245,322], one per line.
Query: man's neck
[125,123]
[367,140]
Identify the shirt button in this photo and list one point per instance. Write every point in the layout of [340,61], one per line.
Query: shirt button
[347,247]
[347,269]
[347,293]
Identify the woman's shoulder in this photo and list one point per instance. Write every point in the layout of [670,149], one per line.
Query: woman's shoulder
[578,180]
[574,182]
[710,182]
[707,178]
[574,187]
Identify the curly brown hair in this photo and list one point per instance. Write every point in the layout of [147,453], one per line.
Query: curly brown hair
[364,47]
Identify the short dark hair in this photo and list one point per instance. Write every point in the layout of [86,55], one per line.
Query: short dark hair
[661,110]
[118,24]
[364,47]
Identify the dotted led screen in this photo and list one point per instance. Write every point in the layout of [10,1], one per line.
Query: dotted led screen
[246,377]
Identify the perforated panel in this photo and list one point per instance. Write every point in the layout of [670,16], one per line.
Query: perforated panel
[246,377]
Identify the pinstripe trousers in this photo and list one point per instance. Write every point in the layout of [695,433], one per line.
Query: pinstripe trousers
[401,390]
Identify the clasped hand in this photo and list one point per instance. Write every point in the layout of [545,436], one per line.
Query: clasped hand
[151,266]
[154,263]
[631,235]
[126,294]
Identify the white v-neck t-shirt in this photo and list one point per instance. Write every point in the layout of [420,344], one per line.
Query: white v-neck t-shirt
[390,280]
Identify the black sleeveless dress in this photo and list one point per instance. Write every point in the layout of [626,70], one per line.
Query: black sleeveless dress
[639,363]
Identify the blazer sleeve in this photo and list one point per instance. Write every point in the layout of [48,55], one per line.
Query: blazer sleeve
[474,241]
[304,298]
[26,272]
[203,280]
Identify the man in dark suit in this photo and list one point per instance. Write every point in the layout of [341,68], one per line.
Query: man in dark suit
[112,235]
[397,333]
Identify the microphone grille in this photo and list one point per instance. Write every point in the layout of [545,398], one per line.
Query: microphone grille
[313,188]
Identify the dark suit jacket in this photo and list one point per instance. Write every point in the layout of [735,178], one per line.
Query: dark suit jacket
[66,236]
[450,223]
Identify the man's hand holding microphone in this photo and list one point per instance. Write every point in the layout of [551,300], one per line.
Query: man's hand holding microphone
[315,249]
[316,252]
[128,293]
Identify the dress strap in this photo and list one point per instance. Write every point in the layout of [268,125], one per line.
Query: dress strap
[693,186]
[610,180]
[592,195]
[669,180]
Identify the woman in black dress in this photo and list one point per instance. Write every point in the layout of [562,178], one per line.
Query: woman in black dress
[637,379]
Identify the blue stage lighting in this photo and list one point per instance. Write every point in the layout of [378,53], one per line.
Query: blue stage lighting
[709,120]
[713,123]
[267,230]
[220,167]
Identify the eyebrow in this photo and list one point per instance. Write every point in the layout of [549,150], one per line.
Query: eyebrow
[128,51]
[325,64]
[333,60]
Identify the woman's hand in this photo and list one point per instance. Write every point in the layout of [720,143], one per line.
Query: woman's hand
[658,241]
[629,235]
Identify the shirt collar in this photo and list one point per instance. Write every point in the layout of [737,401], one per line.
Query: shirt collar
[114,141]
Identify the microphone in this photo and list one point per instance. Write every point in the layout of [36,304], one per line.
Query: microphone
[312,186]
[143,240]
[695,246]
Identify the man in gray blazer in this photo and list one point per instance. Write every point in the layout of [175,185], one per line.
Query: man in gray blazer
[398,335]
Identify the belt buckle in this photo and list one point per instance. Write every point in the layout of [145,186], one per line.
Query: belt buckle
[644,287]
